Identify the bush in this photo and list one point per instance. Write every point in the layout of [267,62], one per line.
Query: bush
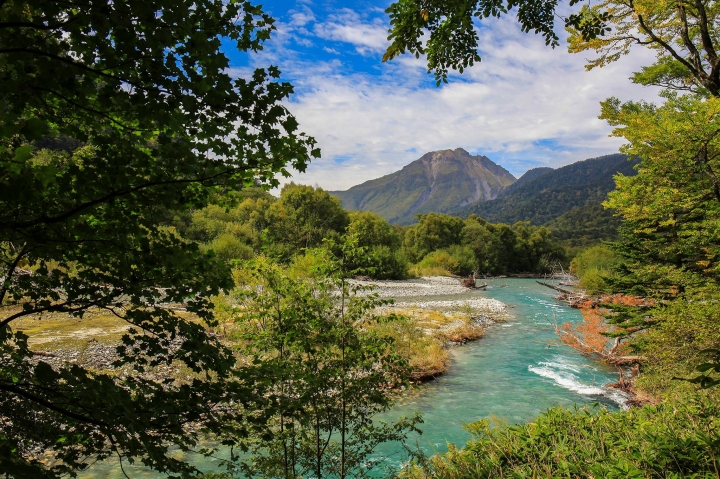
[668,440]
[228,247]
[593,266]
[386,263]
[456,259]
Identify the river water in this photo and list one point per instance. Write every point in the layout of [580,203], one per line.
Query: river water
[515,372]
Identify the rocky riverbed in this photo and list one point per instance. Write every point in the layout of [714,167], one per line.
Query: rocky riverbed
[425,286]
[406,294]
[451,313]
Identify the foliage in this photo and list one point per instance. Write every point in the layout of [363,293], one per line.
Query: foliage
[285,226]
[425,354]
[444,243]
[673,346]
[479,236]
[303,216]
[444,31]
[372,230]
[667,440]
[585,226]
[592,266]
[706,379]
[681,33]
[457,260]
[617,316]
[113,119]
[384,260]
[320,362]
[589,336]
[671,207]
[432,232]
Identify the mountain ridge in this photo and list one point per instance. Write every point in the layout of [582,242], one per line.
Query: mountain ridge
[438,181]
[551,194]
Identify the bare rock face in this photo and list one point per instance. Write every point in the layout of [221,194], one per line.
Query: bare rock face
[439,181]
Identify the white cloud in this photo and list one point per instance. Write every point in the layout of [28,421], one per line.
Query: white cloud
[524,105]
[347,26]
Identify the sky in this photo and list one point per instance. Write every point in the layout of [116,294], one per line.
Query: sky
[523,106]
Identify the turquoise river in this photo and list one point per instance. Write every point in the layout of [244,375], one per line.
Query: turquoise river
[515,372]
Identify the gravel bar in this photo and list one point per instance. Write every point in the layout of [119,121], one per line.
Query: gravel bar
[425,286]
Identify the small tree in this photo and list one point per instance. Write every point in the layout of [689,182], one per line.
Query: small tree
[325,371]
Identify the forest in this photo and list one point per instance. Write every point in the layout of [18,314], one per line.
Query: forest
[304,217]
[134,177]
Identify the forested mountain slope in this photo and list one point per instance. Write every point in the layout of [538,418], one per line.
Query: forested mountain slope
[437,182]
[529,176]
[550,195]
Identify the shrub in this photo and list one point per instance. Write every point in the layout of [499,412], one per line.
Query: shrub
[593,266]
[425,354]
[228,247]
[386,263]
[668,440]
[455,259]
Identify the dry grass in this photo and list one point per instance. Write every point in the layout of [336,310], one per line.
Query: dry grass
[57,331]
[461,333]
[421,337]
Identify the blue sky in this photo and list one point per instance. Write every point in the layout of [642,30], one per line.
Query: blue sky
[525,105]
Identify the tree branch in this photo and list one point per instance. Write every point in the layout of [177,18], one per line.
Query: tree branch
[46,403]
[705,33]
[55,308]
[83,67]
[661,42]
[11,270]
[685,35]
[103,199]
[36,26]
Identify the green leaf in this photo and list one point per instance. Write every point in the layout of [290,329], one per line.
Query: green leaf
[23,153]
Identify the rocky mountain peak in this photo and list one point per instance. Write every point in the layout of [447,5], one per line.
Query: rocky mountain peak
[436,182]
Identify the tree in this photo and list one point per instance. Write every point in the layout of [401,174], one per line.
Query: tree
[112,116]
[444,30]
[683,33]
[372,230]
[672,206]
[477,235]
[534,248]
[304,216]
[321,363]
[433,231]
[382,242]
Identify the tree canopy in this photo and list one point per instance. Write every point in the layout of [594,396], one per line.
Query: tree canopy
[681,32]
[113,117]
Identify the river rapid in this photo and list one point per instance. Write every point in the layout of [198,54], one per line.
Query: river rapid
[515,372]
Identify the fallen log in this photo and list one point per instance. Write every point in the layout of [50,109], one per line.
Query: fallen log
[564,291]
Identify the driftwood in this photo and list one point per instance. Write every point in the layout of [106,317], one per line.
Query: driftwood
[564,291]
[471,282]
[572,298]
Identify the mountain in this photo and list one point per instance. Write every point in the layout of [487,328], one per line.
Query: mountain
[526,178]
[437,182]
[585,225]
[552,193]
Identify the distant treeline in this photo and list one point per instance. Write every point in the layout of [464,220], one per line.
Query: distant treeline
[303,216]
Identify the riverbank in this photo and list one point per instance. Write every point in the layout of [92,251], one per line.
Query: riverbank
[432,321]
[430,315]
